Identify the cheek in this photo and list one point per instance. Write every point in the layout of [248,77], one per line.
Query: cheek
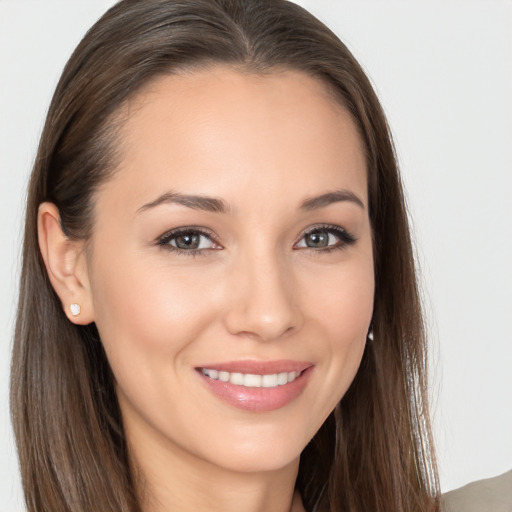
[342,301]
[342,311]
[146,311]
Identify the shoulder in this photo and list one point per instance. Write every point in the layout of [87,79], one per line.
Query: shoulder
[490,495]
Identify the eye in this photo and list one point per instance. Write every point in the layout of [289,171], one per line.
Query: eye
[325,238]
[187,240]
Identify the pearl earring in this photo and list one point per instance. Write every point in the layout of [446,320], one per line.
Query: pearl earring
[75,309]
[370,335]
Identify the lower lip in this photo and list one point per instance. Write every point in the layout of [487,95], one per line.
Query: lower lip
[258,399]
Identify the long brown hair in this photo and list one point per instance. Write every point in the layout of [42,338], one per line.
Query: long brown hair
[374,453]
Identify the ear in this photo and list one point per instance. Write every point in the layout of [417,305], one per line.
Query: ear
[66,264]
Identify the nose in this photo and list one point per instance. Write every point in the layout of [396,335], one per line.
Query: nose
[263,302]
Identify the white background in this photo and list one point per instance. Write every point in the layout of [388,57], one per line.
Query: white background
[444,73]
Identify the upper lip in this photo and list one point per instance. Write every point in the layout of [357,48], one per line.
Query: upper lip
[258,367]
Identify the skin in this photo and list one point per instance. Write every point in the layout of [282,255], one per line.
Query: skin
[262,144]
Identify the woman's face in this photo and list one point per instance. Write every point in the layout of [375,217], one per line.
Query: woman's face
[231,267]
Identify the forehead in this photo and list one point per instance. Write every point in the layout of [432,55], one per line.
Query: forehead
[228,131]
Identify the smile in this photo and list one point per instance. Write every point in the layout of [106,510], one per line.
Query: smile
[256,386]
[250,380]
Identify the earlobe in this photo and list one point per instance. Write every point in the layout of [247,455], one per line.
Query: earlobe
[65,264]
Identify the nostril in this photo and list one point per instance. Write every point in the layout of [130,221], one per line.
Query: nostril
[264,327]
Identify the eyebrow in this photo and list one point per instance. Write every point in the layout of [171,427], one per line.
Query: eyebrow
[216,205]
[317,202]
[196,202]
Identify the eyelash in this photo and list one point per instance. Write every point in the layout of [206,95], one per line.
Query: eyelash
[345,239]
[165,239]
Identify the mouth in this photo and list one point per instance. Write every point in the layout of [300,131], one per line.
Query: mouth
[256,386]
[251,380]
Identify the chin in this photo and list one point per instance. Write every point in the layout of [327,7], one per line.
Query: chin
[269,448]
[261,461]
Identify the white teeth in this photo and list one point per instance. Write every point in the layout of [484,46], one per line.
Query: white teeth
[250,380]
[269,381]
[237,378]
[214,374]
[282,378]
[223,376]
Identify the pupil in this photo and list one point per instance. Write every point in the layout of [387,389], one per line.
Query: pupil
[187,241]
[317,239]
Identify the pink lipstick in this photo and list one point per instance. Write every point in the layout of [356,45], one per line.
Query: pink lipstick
[258,386]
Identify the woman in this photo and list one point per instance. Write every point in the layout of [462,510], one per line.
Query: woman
[218,303]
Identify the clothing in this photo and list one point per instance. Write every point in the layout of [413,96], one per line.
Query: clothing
[490,495]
